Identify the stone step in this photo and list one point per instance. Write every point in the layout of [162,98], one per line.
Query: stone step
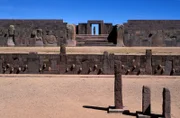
[109,44]
[97,42]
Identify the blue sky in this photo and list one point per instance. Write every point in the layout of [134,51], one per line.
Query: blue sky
[77,11]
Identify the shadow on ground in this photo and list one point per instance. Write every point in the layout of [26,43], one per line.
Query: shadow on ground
[126,112]
[96,108]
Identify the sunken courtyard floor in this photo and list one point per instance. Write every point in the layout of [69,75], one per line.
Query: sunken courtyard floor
[50,96]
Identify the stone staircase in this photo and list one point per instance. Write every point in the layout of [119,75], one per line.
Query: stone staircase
[93,40]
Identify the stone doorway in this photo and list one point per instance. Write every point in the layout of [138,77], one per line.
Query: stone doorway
[95,29]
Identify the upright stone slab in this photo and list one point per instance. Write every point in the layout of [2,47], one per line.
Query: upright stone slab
[111,63]
[33,63]
[168,67]
[120,36]
[63,49]
[146,101]
[63,59]
[148,62]
[106,63]
[166,103]
[118,86]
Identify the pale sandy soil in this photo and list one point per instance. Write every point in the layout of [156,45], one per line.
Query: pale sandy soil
[93,50]
[48,96]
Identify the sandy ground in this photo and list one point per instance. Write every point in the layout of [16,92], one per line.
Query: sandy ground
[93,50]
[64,97]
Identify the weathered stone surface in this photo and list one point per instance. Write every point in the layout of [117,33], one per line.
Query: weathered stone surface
[148,62]
[166,103]
[11,36]
[63,49]
[24,29]
[38,38]
[120,35]
[168,67]
[71,32]
[157,39]
[71,43]
[33,63]
[146,100]
[105,62]
[50,39]
[118,86]
[142,116]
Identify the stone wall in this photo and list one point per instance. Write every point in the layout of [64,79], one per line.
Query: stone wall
[25,28]
[161,33]
[89,64]
[144,33]
[132,25]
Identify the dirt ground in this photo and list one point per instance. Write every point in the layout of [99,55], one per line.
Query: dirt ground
[65,96]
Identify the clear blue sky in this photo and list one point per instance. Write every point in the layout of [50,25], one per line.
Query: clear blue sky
[76,11]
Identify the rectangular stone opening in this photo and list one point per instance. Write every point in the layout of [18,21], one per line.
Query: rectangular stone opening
[94,29]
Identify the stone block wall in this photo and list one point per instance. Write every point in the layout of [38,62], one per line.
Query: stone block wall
[89,64]
[141,32]
[25,28]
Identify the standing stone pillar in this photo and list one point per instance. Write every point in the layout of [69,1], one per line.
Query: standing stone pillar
[120,35]
[148,62]
[118,86]
[166,103]
[63,49]
[101,28]
[111,63]
[88,28]
[33,63]
[63,59]
[146,100]
[118,97]
[168,67]
[106,62]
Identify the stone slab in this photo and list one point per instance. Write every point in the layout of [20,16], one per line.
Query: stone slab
[112,109]
[143,116]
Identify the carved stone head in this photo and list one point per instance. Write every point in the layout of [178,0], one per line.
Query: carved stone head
[71,31]
[120,27]
[11,30]
[39,32]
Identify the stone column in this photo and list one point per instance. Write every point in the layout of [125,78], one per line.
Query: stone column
[33,63]
[101,27]
[120,35]
[106,62]
[63,59]
[118,86]
[148,62]
[166,103]
[63,49]
[168,67]
[146,100]
[88,28]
